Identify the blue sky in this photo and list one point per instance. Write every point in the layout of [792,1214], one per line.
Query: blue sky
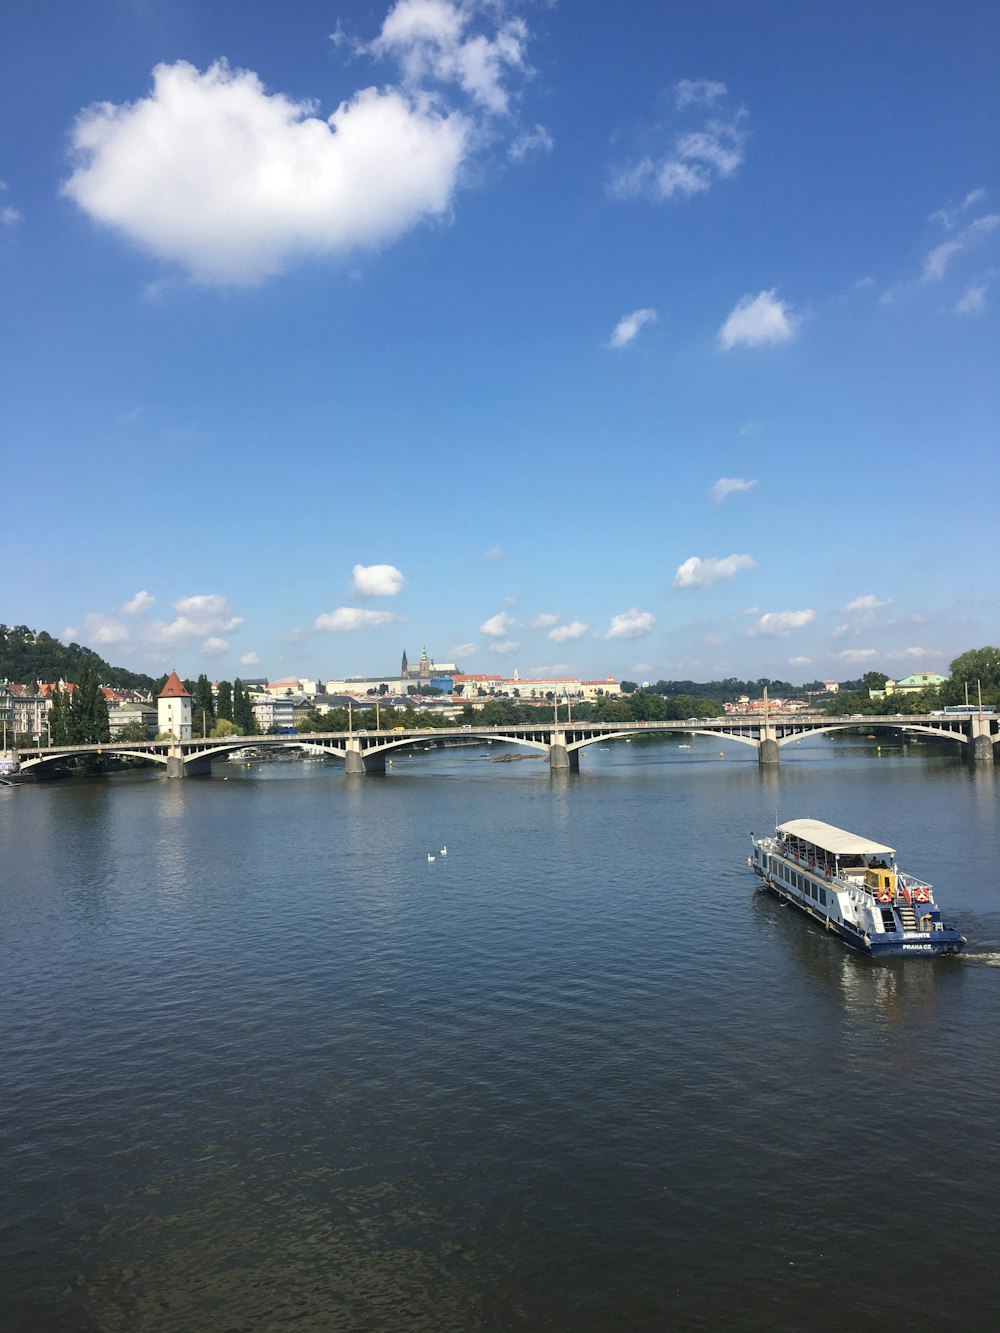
[652,339]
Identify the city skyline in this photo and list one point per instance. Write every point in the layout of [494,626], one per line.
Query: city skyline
[659,346]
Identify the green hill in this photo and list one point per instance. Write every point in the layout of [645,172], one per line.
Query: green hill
[27,655]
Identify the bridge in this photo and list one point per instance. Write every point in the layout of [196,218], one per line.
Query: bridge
[560,742]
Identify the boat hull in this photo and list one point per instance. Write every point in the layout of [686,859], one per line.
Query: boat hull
[914,944]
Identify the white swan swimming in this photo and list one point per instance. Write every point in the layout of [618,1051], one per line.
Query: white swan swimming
[444,851]
[429,857]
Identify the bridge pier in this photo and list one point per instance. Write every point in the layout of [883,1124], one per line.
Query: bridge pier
[767,752]
[562,759]
[356,761]
[177,767]
[980,739]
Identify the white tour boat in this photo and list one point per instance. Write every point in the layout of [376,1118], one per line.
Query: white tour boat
[852,885]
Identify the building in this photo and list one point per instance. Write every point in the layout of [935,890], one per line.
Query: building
[273,714]
[122,714]
[173,710]
[920,680]
[29,712]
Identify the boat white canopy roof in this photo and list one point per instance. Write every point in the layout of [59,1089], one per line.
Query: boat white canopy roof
[831,839]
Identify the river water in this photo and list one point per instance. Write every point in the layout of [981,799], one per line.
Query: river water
[263,1065]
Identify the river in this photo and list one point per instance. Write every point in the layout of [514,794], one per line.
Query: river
[265,1065]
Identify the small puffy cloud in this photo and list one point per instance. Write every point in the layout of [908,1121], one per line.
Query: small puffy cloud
[631,624]
[800,661]
[462,650]
[698,92]
[199,618]
[973,300]
[504,649]
[914,654]
[213,646]
[629,325]
[138,604]
[249,659]
[347,619]
[856,654]
[869,602]
[779,624]
[567,633]
[543,621]
[698,573]
[756,321]
[695,162]
[537,140]
[494,553]
[730,486]
[376,581]
[432,41]
[497,626]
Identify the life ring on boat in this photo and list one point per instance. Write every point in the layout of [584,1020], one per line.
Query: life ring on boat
[885,895]
[922,895]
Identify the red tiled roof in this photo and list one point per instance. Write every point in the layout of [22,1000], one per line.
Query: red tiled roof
[173,688]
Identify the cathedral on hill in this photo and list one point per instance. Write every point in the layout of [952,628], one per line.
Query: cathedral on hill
[426,668]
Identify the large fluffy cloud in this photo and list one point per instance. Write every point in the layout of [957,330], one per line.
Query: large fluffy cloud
[232,182]
[698,573]
[757,320]
[202,618]
[498,625]
[567,633]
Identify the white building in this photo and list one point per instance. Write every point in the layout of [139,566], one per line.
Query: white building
[173,709]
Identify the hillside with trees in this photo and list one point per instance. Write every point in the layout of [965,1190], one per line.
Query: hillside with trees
[27,655]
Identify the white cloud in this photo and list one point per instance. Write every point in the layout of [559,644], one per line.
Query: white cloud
[232,182]
[936,262]
[949,214]
[751,428]
[869,602]
[696,161]
[758,320]
[376,581]
[104,630]
[629,325]
[779,624]
[698,573]
[567,633]
[504,649]
[498,625]
[432,43]
[213,646]
[914,654]
[462,650]
[698,92]
[543,621]
[9,216]
[730,486]
[201,617]
[136,605]
[972,300]
[839,632]
[494,553]
[537,140]
[249,659]
[856,655]
[631,624]
[346,619]
[800,661]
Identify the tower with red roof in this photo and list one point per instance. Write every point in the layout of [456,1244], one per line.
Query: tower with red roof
[173,709]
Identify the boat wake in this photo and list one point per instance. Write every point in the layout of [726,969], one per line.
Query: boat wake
[987,959]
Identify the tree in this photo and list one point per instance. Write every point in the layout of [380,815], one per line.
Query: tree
[132,732]
[224,727]
[88,710]
[58,718]
[874,680]
[243,716]
[628,687]
[224,704]
[975,669]
[202,707]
